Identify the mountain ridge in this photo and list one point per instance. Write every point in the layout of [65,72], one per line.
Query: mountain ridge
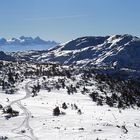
[25,44]
[22,40]
[118,51]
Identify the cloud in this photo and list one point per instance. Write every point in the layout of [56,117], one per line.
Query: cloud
[55,18]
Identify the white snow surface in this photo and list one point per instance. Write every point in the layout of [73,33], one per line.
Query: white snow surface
[95,122]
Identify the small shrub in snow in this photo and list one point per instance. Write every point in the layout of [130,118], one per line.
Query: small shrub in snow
[81,128]
[1,106]
[109,101]
[94,96]
[10,91]
[99,102]
[23,131]
[124,129]
[79,111]
[56,111]
[64,106]
[138,104]
[10,111]
[3,138]
[120,104]
[74,106]
[63,113]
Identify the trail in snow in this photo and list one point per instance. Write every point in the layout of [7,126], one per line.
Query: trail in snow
[27,113]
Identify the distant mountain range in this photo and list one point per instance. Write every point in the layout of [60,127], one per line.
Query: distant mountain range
[118,51]
[25,43]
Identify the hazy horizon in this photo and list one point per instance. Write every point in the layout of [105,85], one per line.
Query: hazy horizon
[65,20]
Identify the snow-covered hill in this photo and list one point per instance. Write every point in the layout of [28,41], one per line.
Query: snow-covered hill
[118,51]
[25,43]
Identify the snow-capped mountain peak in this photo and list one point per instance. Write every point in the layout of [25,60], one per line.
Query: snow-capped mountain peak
[25,43]
[24,40]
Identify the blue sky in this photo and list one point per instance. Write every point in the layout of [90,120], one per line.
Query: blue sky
[63,20]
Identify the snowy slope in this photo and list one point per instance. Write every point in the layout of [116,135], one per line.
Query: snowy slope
[95,122]
[83,119]
[118,51]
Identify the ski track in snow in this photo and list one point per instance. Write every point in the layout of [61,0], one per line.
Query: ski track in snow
[26,121]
